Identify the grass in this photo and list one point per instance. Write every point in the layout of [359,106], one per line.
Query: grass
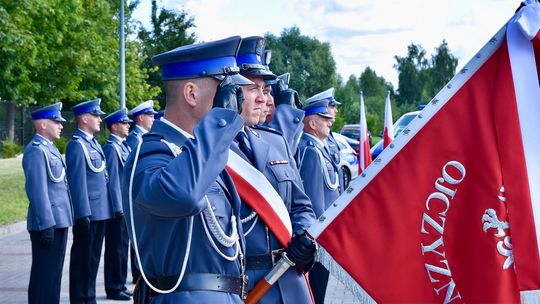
[13,201]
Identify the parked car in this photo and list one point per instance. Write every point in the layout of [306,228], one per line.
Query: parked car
[352,131]
[349,158]
[399,126]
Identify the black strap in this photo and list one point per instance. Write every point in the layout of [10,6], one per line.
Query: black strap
[203,281]
[263,261]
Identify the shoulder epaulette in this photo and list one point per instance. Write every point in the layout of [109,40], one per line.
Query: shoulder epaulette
[151,136]
[36,143]
[267,129]
[75,137]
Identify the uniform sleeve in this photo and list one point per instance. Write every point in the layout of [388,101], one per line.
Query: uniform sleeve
[289,121]
[113,168]
[174,187]
[311,173]
[76,176]
[35,171]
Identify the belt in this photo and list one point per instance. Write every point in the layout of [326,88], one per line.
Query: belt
[263,261]
[204,281]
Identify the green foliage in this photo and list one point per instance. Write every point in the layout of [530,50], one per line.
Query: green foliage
[308,60]
[170,29]
[61,144]
[9,149]
[13,200]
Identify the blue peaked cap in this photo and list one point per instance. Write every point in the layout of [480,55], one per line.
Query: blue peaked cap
[49,112]
[89,106]
[118,116]
[215,59]
[327,95]
[252,59]
[319,107]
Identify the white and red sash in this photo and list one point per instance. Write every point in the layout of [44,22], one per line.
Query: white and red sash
[258,193]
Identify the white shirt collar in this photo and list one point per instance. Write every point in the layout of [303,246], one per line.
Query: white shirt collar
[46,141]
[144,131]
[88,136]
[177,128]
[316,139]
[120,139]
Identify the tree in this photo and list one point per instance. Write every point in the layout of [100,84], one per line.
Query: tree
[443,68]
[309,61]
[412,76]
[169,29]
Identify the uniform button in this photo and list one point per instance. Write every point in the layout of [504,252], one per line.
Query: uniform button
[287,174]
[222,122]
[296,120]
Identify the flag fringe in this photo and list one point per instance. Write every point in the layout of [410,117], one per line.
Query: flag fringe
[341,275]
[530,296]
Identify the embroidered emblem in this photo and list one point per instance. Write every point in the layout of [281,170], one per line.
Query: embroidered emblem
[490,220]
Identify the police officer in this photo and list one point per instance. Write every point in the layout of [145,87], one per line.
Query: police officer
[143,115]
[50,211]
[181,207]
[88,182]
[320,176]
[269,153]
[330,141]
[116,237]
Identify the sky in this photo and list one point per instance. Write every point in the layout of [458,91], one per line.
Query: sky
[361,33]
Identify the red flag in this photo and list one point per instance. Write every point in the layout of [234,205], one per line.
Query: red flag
[364,155]
[457,221]
[388,135]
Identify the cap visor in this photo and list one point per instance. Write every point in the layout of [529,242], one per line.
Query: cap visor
[325,115]
[59,119]
[241,80]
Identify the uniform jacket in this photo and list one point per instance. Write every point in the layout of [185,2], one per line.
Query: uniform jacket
[46,187]
[89,189]
[134,137]
[289,121]
[312,171]
[116,153]
[168,192]
[274,159]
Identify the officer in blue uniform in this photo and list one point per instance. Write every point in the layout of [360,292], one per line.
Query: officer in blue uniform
[320,176]
[88,184]
[116,237]
[143,115]
[330,141]
[181,207]
[50,211]
[268,152]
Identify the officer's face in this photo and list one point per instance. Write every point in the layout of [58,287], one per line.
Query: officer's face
[321,126]
[120,129]
[91,122]
[253,101]
[53,129]
[146,121]
[332,110]
[270,106]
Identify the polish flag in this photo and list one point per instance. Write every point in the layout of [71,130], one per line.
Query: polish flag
[388,135]
[451,212]
[364,154]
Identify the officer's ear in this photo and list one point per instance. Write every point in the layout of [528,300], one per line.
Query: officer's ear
[190,91]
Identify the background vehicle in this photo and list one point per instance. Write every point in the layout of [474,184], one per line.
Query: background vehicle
[399,126]
[349,158]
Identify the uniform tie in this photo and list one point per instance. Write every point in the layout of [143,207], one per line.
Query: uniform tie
[242,140]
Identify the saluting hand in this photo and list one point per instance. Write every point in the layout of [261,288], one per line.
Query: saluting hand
[46,237]
[289,97]
[229,95]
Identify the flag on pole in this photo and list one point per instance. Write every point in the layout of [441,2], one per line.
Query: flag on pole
[364,154]
[450,213]
[388,134]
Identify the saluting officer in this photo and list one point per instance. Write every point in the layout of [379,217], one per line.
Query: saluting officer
[50,211]
[88,184]
[116,237]
[319,174]
[181,207]
[268,152]
[143,115]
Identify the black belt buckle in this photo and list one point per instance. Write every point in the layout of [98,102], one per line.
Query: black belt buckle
[243,289]
[276,255]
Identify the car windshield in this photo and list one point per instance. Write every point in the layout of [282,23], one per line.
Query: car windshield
[351,133]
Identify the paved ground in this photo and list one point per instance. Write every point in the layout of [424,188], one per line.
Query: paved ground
[15,262]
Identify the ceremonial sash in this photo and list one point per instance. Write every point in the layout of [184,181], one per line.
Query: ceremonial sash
[258,193]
